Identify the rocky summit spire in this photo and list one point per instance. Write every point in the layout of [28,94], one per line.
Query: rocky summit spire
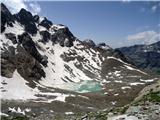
[6,17]
[25,18]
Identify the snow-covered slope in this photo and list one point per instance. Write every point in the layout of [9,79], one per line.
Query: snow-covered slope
[39,57]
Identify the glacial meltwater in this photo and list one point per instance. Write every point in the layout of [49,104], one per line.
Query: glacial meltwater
[88,86]
[84,86]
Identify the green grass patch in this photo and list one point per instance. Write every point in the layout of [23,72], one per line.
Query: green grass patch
[15,118]
[153,97]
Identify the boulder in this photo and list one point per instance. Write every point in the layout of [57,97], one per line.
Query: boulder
[12,37]
[45,36]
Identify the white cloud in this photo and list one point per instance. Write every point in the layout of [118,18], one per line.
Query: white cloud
[16,5]
[35,8]
[155,7]
[150,6]
[146,37]
[126,1]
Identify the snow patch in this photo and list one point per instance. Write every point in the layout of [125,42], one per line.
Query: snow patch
[136,83]
[17,111]
[118,81]
[113,102]
[28,109]
[69,113]
[83,97]
[16,88]
[57,26]
[116,94]
[125,87]
[17,29]
[149,80]
[3,114]
[131,68]
[128,66]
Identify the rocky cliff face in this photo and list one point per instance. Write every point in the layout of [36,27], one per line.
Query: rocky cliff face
[144,56]
[43,62]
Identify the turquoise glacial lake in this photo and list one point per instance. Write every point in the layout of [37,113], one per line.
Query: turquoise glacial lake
[84,86]
[88,86]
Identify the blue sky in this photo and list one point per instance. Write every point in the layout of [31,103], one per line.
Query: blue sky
[115,23]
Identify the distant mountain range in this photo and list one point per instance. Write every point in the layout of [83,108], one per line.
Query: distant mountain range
[144,56]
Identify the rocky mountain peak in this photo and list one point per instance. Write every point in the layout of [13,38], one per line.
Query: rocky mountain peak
[46,23]
[6,17]
[104,46]
[6,12]
[63,36]
[89,42]
[25,18]
[36,18]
